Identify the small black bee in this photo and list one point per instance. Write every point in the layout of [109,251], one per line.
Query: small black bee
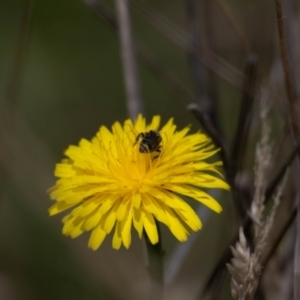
[149,141]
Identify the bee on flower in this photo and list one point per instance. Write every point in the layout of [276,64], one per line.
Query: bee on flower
[135,174]
[150,141]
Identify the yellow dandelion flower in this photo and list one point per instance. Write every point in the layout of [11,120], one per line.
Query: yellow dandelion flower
[120,178]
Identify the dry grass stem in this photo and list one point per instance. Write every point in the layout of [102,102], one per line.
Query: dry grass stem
[246,266]
[263,157]
[133,95]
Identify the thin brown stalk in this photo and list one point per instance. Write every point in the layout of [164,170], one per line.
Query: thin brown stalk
[209,127]
[285,61]
[290,220]
[242,128]
[297,253]
[147,58]
[180,38]
[133,97]
[210,39]
[294,119]
[293,41]
[195,50]
[235,25]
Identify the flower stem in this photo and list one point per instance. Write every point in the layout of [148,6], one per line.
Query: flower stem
[155,266]
[134,102]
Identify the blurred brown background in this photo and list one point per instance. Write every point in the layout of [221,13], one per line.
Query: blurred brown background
[62,78]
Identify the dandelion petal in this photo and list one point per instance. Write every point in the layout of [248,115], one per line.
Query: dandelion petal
[97,237]
[150,228]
